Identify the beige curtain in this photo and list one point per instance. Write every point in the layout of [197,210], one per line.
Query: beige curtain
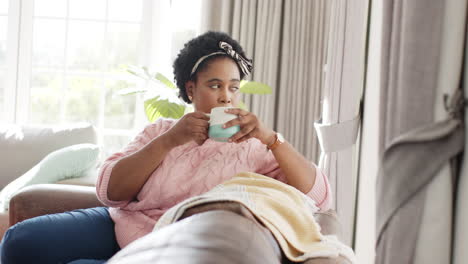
[287,41]
[460,254]
[420,133]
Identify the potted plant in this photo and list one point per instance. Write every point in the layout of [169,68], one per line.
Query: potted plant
[165,103]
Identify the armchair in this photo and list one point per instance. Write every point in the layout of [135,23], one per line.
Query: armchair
[23,146]
[44,199]
[33,143]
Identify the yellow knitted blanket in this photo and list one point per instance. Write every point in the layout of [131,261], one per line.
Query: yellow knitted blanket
[283,209]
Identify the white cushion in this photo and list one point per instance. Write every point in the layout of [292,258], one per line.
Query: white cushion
[23,146]
[89,178]
[69,162]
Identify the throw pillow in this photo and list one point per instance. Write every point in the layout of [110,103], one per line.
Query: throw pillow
[33,142]
[69,162]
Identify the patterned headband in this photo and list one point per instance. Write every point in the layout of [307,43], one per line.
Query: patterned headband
[245,64]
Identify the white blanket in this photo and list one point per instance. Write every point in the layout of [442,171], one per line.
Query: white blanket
[284,210]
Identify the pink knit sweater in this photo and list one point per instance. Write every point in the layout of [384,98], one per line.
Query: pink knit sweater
[186,171]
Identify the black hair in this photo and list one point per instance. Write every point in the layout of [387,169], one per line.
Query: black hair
[193,50]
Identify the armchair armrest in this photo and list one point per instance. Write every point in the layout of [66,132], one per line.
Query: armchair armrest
[329,223]
[44,199]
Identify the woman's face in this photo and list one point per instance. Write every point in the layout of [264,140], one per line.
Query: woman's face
[217,85]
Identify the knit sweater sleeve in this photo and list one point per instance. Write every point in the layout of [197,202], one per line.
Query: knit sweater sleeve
[149,133]
[320,191]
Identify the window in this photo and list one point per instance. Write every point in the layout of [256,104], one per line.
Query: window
[3,42]
[69,60]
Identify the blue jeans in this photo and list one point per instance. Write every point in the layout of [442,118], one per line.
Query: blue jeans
[81,236]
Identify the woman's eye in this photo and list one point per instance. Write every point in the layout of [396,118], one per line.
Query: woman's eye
[235,88]
[214,86]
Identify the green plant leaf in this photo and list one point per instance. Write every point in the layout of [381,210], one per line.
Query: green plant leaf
[128,91]
[151,112]
[188,109]
[242,105]
[139,72]
[164,80]
[156,108]
[254,88]
[145,70]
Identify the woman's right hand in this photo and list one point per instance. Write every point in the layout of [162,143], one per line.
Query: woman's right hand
[192,126]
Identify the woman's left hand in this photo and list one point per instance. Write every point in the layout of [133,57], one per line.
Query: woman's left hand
[250,127]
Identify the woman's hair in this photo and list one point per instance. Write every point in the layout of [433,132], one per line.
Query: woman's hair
[193,50]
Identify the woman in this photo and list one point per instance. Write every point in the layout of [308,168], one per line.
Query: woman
[171,160]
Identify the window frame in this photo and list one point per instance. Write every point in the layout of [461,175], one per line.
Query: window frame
[154,26]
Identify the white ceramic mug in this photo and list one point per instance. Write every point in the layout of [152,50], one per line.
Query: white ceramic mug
[217,119]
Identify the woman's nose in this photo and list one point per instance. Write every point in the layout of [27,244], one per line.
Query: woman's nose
[225,100]
[224,96]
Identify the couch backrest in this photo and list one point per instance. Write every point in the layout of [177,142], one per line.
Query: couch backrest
[23,146]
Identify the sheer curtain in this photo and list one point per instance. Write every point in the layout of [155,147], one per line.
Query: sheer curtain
[340,124]
[291,41]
